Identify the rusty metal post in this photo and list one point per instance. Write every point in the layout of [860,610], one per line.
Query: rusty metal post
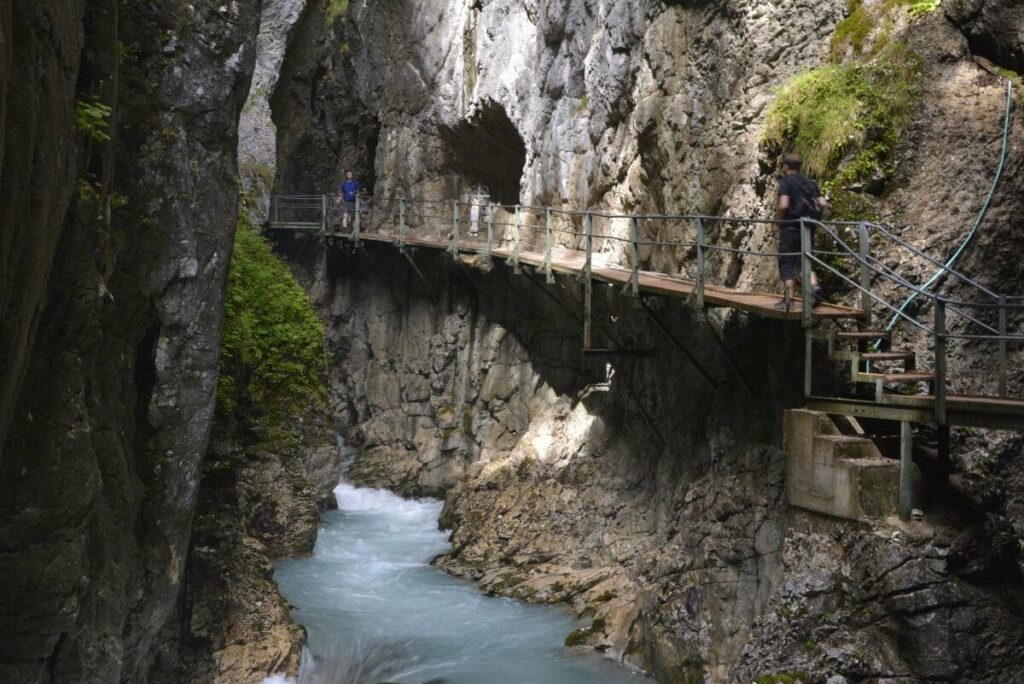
[865,271]
[490,230]
[906,466]
[588,282]
[401,223]
[940,360]
[355,222]
[453,246]
[806,292]
[548,245]
[701,263]
[516,240]
[1002,346]
[808,360]
[634,257]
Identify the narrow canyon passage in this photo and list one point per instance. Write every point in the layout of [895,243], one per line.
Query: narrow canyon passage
[376,611]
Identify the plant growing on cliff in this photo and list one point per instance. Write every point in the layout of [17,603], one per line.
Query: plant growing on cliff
[92,119]
[846,119]
[272,361]
[335,9]
[876,19]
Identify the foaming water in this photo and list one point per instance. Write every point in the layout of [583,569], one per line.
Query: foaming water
[376,611]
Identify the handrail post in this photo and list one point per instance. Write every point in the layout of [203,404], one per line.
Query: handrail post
[588,283]
[906,462]
[323,214]
[453,247]
[490,229]
[806,293]
[940,360]
[516,240]
[401,223]
[276,203]
[865,272]
[701,239]
[548,245]
[1002,346]
[634,258]
[355,222]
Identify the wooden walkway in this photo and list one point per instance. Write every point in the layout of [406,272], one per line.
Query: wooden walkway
[1000,412]
[897,390]
[573,262]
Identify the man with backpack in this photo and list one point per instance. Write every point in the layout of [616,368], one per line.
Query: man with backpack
[799,197]
[348,189]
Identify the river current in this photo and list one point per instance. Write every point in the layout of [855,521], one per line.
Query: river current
[376,611]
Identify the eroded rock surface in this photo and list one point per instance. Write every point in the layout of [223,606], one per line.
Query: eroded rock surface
[256,505]
[116,239]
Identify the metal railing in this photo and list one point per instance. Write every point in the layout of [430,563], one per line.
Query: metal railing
[690,247]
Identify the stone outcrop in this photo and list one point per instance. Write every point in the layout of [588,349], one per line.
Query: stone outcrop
[257,135]
[256,505]
[116,238]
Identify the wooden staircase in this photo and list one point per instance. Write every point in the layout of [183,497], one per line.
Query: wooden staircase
[884,368]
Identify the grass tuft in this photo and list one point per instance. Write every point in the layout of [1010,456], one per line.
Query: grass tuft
[845,120]
[335,10]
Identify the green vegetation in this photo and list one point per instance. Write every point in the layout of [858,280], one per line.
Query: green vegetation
[272,362]
[606,595]
[92,119]
[862,20]
[921,7]
[579,636]
[583,104]
[335,9]
[845,120]
[784,678]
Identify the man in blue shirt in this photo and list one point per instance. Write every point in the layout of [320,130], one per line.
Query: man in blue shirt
[348,189]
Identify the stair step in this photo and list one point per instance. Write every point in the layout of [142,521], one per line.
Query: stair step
[865,335]
[887,356]
[904,377]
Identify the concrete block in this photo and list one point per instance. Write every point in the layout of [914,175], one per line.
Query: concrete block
[836,474]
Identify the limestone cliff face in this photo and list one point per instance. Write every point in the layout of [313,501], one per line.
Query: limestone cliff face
[645,495]
[116,238]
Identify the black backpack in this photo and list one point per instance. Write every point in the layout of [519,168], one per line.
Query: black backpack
[805,203]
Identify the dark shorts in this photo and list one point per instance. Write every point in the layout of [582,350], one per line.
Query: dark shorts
[789,241]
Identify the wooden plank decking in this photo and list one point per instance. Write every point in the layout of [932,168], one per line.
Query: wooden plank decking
[573,262]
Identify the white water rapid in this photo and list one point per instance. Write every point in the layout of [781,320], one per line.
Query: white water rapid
[376,611]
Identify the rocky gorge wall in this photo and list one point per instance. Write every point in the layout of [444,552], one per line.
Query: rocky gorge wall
[653,501]
[118,186]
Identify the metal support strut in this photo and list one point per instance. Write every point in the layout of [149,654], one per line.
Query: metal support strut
[548,245]
[588,281]
[517,241]
[906,463]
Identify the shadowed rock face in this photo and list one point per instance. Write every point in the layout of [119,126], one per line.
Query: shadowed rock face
[111,316]
[994,29]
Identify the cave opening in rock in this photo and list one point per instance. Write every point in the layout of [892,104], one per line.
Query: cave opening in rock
[486,150]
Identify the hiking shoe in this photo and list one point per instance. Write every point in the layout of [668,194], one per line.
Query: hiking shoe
[818,293]
[784,305]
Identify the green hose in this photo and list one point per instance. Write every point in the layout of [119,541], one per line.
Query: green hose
[981,215]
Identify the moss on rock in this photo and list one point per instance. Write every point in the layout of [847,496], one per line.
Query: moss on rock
[272,362]
[845,120]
